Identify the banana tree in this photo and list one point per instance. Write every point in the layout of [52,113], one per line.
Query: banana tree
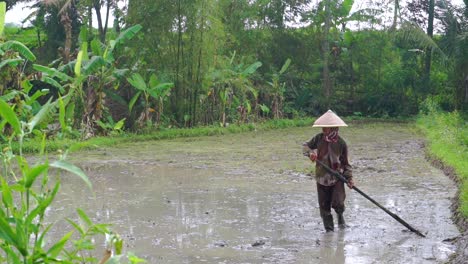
[98,75]
[151,89]
[278,89]
[232,83]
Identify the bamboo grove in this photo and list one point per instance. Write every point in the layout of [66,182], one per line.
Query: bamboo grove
[187,63]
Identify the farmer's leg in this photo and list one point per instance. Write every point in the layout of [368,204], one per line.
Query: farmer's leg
[338,199]
[325,199]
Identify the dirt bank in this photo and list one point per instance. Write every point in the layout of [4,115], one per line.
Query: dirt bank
[461,242]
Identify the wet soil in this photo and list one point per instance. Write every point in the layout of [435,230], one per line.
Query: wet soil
[250,198]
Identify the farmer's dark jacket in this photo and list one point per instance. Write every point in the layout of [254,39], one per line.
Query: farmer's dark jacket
[339,154]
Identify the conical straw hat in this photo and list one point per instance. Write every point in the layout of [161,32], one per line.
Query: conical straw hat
[329,119]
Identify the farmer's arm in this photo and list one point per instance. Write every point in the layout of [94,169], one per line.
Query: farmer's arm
[310,147]
[347,169]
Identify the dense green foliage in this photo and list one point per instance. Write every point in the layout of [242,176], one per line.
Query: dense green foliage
[209,62]
[447,135]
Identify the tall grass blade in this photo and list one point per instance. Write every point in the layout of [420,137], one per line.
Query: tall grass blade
[44,112]
[55,250]
[84,217]
[63,165]
[34,173]
[2,16]
[7,197]
[76,226]
[9,115]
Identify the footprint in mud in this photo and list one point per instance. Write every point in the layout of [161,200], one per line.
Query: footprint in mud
[258,243]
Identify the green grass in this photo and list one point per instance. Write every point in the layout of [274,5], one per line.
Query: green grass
[28,36]
[447,135]
[33,145]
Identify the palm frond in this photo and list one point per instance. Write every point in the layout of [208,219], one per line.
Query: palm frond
[414,34]
[20,48]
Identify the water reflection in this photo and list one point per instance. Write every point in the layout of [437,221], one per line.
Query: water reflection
[332,251]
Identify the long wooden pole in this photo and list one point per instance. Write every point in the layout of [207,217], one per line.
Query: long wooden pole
[396,217]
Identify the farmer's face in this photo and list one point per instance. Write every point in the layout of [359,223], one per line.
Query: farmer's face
[326,130]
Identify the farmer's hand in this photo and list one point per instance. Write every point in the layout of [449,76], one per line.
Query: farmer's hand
[350,183]
[313,156]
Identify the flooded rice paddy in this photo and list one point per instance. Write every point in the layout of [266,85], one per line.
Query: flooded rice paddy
[249,198]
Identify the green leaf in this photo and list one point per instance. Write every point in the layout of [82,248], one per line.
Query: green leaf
[63,165]
[134,259]
[27,86]
[35,96]
[285,66]
[153,81]
[7,113]
[120,73]
[12,256]
[346,7]
[62,113]
[20,48]
[53,82]
[52,72]
[79,60]
[8,235]
[252,68]
[20,234]
[120,124]
[265,108]
[84,217]
[127,34]
[70,111]
[7,97]
[133,101]
[46,202]
[2,16]
[137,81]
[11,62]
[94,64]
[39,117]
[7,197]
[76,226]
[35,212]
[83,36]
[43,144]
[84,49]
[248,106]
[348,38]
[33,173]
[55,250]
[43,233]
[96,47]
[161,90]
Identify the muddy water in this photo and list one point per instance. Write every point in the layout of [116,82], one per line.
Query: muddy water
[249,198]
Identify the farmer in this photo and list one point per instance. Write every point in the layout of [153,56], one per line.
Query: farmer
[331,149]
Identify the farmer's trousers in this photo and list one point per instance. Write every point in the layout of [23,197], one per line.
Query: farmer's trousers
[331,197]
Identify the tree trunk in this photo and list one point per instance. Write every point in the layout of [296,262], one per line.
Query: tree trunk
[66,21]
[102,28]
[325,53]
[178,85]
[395,14]
[430,33]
